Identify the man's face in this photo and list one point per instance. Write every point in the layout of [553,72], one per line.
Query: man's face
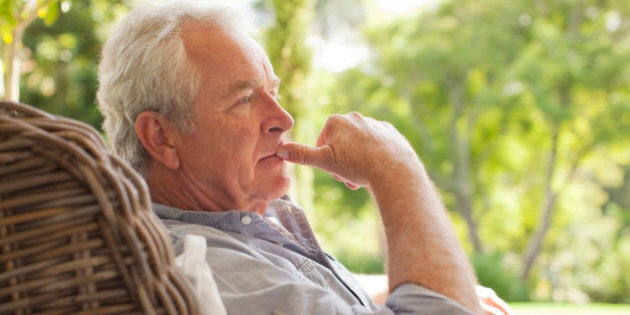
[229,158]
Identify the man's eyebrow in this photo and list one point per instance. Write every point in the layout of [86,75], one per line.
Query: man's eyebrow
[242,85]
[248,84]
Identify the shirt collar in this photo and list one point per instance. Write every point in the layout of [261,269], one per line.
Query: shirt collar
[242,222]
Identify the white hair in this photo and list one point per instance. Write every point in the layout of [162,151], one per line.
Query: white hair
[144,67]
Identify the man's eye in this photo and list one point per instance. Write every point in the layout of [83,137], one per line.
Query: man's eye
[245,100]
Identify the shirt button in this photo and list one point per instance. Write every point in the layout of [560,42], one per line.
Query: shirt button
[246,220]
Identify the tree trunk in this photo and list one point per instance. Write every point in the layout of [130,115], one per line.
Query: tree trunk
[547,210]
[285,43]
[460,131]
[12,64]
[11,54]
[463,200]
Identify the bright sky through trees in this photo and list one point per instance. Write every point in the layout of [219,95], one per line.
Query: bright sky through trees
[401,6]
[343,50]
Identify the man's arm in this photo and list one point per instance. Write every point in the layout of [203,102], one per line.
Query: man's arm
[422,247]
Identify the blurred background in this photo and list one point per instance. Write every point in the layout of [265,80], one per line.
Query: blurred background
[519,109]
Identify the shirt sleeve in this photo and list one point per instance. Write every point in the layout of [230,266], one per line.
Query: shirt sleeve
[414,299]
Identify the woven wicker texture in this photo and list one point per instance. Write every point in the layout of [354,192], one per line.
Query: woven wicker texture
[76,232]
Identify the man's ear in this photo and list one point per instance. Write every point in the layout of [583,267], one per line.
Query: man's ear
[158,138]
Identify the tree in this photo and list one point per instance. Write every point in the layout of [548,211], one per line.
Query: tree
[287,50]
[60,60]
[512,107]
[448,87]
[16,17]
[571,70]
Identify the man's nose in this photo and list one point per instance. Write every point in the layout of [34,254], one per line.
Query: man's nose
[278,119]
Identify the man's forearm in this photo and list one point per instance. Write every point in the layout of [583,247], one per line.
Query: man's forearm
[422,247]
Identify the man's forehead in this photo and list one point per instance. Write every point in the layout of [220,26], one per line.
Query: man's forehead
[204,40]
[231,61]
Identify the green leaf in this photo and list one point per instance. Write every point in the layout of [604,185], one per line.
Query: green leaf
[53,13]
[6,32]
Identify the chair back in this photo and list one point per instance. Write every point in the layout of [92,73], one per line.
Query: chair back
[76,231]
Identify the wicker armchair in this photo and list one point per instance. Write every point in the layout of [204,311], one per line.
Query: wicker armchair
[76,231]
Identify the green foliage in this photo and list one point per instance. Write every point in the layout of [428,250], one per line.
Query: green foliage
[613,278]
[493,273]
[519,111]
[347,225]
[290,56]
[362,263]
[7,21]
[285,43]
[58,85]
[63,79]
[49,11]
[16,17]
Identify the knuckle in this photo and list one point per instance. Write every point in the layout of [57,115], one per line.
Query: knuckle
[302,154]
[334,119]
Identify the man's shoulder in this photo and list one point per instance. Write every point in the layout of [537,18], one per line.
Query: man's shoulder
[177,225]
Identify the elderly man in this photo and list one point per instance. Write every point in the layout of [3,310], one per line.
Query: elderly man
[190,101]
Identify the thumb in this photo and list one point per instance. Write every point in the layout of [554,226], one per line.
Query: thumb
[304,154]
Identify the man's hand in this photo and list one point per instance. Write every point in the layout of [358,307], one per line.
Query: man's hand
[421,244]
[356,150]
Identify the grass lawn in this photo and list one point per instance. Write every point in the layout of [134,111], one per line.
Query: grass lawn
[573,309]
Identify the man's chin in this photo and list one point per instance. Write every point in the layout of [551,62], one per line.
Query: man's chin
[279,187]
[266,196]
